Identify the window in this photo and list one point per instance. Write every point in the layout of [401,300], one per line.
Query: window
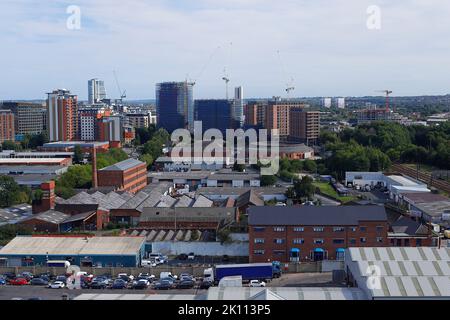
[380,229]
[406,242]
[352,229]
[380,239]
[352,241]
[278,229]
[299,229]
[418,242]
[318,241]
[363,229]
[259,240]
[278,241]
[318,229]
[338,241]
[279,252]
[338,229]
[258,252]
[363,240]
[259,229]
[299,241]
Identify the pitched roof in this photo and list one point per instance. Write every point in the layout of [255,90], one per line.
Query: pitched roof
[311,215]
[249,198]
[408,226]
[123,165]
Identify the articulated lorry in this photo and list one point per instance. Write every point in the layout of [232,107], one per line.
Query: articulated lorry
[249,271]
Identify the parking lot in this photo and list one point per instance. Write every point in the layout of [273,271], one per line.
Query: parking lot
[27,292]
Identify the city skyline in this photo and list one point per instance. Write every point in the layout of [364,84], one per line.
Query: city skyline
[325,47]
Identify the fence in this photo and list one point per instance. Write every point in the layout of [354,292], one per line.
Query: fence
[195,270]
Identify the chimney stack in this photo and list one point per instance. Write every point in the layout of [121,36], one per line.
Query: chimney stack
[48,198]
[94,168]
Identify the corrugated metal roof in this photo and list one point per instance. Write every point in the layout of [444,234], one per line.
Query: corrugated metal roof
[73,246]
[286,293]
[123,165]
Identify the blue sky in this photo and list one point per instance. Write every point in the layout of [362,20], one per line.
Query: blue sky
[324,46]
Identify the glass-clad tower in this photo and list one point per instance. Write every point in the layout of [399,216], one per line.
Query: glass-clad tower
[175,105]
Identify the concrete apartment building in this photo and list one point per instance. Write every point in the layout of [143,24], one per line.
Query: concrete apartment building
[309,233]
[129,175]
[255,114]
[7,128]
[62,115]
[29,118]
[304,126]
[278,115]
[139,120]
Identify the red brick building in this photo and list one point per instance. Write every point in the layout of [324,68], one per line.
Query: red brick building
[304,125]
[310,233]
[129,175]
[7,129]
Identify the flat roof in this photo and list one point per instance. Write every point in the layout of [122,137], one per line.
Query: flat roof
[21,161]
[23,245]
[404,181]
[312,215]
[65,144]
[424,197]
[435,209]
[235,191]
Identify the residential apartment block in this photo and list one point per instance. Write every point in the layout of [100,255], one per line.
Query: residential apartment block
[62,115]
[7,130]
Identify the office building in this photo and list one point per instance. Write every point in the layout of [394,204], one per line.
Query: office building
[310,233]
[304,125]
[175,105]
[96,91]
[238,107]
[214,114]
[7,130]
[29,118]
[62,124]
[110,129]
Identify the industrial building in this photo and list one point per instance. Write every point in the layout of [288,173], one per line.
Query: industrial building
[79,250]
[128,175]
[310,233]
[400,273]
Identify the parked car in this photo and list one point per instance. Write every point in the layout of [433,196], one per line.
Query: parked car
[186,276]
[27,275]
[2,281]
[205,284]
[186,284]
[56,285]
[163,285]
[164,275]
[18,282]
[148,263]
[38,282]
[61,278]
[183,256]
[119,284]
[146,276]
[191,256]
[9,275]
[125,277]
[141,284]
[257,283]
[98,285]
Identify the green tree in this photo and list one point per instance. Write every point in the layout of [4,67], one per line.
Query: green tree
[310,166]
[268,180]
[10,145]
[304,188]
[148,159]
[78,154]
[10,192]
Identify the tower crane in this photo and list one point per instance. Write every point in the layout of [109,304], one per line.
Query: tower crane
[290,85]
[123,94]
[387,93]
[226,78]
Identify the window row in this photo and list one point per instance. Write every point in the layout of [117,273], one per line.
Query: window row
[319,229]
[316,241]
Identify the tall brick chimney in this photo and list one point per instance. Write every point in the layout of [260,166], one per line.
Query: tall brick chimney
[48,198]
[94,168]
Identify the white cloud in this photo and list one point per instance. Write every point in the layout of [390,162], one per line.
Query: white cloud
[325,46]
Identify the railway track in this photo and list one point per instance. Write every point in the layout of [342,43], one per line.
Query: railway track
[422,176]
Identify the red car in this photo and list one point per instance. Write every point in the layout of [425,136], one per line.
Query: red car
[18,282]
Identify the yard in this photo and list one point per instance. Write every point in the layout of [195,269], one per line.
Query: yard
[328,190]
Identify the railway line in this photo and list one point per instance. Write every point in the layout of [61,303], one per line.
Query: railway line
[422,176]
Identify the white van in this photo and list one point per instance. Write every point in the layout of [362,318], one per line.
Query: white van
[167,275]
[157,257]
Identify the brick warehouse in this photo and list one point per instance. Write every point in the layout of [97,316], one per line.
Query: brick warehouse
[129,175]
[308,233]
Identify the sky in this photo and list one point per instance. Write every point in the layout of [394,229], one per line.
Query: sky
[322,48]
